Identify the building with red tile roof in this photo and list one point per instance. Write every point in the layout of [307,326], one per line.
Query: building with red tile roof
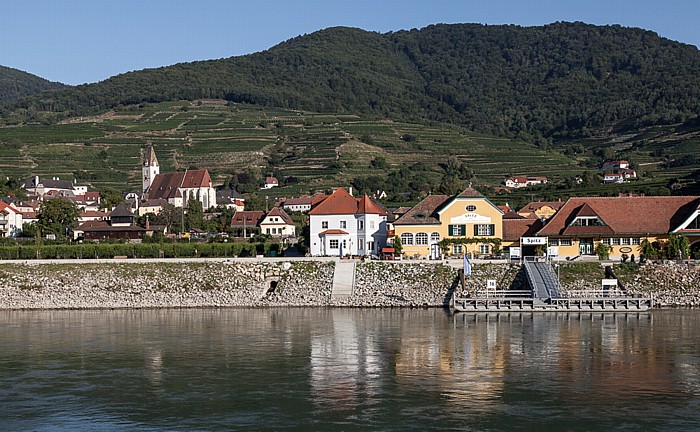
[342,225]
[11,220]
[467,215]
[622,223]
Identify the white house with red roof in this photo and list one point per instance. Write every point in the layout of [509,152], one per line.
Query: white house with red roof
[277,223]
[270,182]
[11,220]
[344,225]
[521,182]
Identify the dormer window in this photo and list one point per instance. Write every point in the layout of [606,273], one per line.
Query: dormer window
[587,221]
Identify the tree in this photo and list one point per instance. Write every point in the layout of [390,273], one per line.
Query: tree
[398,246]
[678,247]
[110,197]
[56,216]
[194,215]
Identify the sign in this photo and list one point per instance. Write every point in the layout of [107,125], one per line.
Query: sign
[514,252]
[491,284]
[625,249]
[553,251]
[609,283]
[528,241]
[470,218]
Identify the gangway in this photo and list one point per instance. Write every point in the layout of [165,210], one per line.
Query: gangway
[542,279]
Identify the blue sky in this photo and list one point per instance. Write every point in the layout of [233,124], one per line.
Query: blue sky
[79,41]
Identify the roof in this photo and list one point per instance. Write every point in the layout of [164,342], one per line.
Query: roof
[5,208]
[159,202]
[149,157]
[280,213]
[121,210]
[247,218]
[49,183]
[425,212]
[303,200]
[228,194]
[470,193]
[623,215]
[341,202]
[333,232]
[514,228]
[536,205]
[271,180]
[167,185]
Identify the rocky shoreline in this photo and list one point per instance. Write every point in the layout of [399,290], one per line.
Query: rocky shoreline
[287,284]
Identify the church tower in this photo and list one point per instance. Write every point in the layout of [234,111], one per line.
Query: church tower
[150,167]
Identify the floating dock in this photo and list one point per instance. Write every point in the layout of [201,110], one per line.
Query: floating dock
[545,295]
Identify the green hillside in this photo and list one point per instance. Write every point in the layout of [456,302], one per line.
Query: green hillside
[15,84]
[540,84]
[307,151]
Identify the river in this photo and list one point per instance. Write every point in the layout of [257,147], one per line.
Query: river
[348,369]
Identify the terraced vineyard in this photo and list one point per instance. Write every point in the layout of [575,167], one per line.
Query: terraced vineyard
[320,150]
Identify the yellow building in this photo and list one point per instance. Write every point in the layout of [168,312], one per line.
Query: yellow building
[467,217]
[621,223]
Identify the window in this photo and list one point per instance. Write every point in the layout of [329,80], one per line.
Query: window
[324,224]
[268,230]
[565,242]
[587,221]
[606,241]
[407,238]
[435,238]
[343,224]
[422,238]
[484,229]
[361,244]
[625,241]
[360,225]
[456,230]
[636,241]
[554,242]
[456,249]
[371,224]
[333,244]
[484,249]
[471,208]
[615,241]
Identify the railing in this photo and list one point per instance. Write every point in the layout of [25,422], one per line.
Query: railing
[487,293]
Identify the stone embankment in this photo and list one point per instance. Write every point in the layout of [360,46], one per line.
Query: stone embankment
[286,283]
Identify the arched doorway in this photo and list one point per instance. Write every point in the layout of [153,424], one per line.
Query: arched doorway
[695,249]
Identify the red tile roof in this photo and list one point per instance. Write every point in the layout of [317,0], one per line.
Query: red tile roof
[425,212]
[281,214]
[243,219]
[342,203]
[194,179]
[167,185]
[333,232]
[623,215]
[536,205]
[514,228]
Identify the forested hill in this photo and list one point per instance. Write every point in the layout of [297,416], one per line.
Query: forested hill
[15,84]
[557,81]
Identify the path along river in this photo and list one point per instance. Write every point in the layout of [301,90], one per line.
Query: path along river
[348,369]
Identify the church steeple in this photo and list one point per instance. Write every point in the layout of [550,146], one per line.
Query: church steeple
[150,167]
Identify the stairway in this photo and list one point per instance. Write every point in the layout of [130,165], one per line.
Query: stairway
[343,280]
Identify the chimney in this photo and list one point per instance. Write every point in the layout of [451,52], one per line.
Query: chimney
[350,191]
[148,223]
[36,180]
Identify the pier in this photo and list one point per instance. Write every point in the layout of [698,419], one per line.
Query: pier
[545,295]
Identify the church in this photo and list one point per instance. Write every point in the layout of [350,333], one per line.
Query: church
[178,187]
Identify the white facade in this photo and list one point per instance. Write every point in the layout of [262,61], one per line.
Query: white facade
[11,221]
[350,234]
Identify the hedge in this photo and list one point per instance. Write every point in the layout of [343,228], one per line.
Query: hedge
[141,250]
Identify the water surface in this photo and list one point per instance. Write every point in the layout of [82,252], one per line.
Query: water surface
[348,369]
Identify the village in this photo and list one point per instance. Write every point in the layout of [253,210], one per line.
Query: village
[339,224]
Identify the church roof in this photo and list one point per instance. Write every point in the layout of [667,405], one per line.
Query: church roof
[149,158]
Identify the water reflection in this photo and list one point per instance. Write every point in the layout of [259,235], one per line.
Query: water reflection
[347,369]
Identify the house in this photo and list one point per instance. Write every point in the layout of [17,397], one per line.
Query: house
[543,209]
[54,186]
[269,183]
[92,215]
[469,219]
[517,226]
[178,187]
[610,178]
[154,206]
[621,223]
[344,225]
[302,203]
[230,199]
[628,173]
[277,223]
[521,182]
[11,220]
[119,225]
[614,165]
[247,222]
